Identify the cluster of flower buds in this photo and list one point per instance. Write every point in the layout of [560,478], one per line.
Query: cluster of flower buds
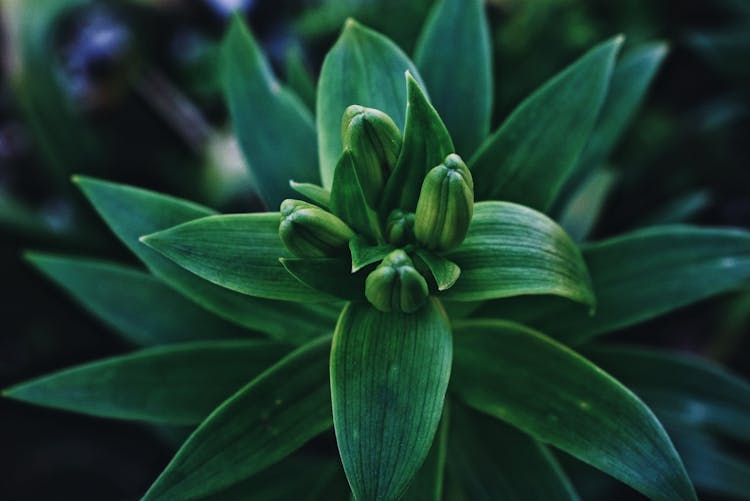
[400,282]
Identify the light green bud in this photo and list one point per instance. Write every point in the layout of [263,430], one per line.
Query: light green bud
[399,228]
[309,231]
[445,206]
[395,285]
[375,142]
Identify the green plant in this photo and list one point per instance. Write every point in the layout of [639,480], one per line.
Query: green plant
[426,245]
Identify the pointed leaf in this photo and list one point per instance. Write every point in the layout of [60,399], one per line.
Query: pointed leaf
[426,144]
[177,385]
[389,373]
[275,130]
[580,212]
[269,418]
[560,398]
[683,388]
[444,271]
[374,69]
[316,194]
[135,304]
[639,276]
[238,251]
[490,460]
[453,55]
[363,253]
[348,200]
[512,250]
[329,275]
[133,212]
[535,150]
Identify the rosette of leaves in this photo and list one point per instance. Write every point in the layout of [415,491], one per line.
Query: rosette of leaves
[474,352]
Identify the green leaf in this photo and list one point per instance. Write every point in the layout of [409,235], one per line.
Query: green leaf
[444,271]
[428,482]
[132,212]
[265,421]
[631,79]
[275,130]
[512,250]
[713,469]
[389,373]
[299,77]
[683,388]
[558,397]
[363,253]
[535,150]
[639,276]
[176,385]
[453,54]
[238,251]
[316,194]
[348,200]
[582,209]
[490,460]
[426,144]
[137,305]
[374,77]
[680,209]
[329,275]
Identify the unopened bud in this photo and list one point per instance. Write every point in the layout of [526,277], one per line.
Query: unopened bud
[399,228]
[375,141]
[395,285]
[309,231]
[445,206]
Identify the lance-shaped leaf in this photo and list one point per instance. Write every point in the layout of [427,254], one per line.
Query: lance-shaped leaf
[453,54]
[133,212]
[681,388]
[176,385]
[275,130]
[639,276]
[512,250]
[560,398]
[535,150]
[364,254]
[316,194]
[238,251]
[491,460]
[348,200]
[137,305]
[444,271]
[389,373]
[265,421]
[426,144]
[580,212]
[374,68]
[428,482]
[631,79]
[328,275]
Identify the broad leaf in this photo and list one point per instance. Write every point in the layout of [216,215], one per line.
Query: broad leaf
[453,54]
[389,373]
[639,276]
[363,253]
[374,77]
[490,460]
[428,482]
[238,251]
[681,388]
[176,385]
[512,250]
[444,271]
[316,194]
[348,200]
[426,144]
[262,423]
[275,130]
[329,275]
[135,304]
[560,398]
[132,212]
[535,150]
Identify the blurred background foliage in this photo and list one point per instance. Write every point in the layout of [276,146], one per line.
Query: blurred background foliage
[130,91]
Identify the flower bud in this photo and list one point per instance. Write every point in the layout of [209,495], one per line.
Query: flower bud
[375,141]
[395,285]
[399,228]
[309,231]
[445,206]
